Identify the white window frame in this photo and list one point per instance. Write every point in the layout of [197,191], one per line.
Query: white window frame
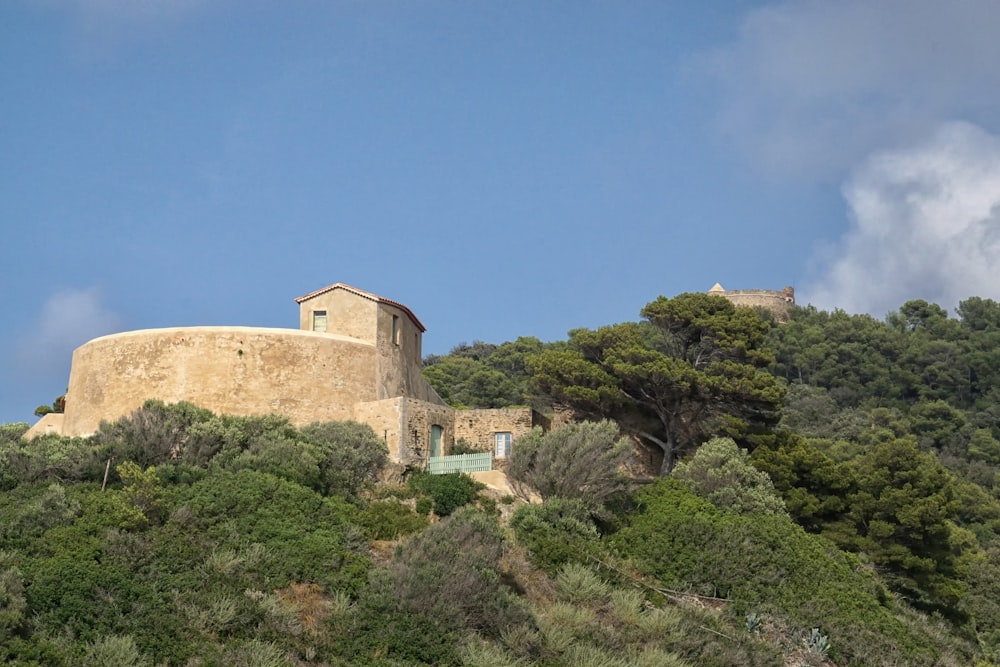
[502,441]
[326,320]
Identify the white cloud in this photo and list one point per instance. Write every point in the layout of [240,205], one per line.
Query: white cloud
[925,224]
[69,318]
[811,87]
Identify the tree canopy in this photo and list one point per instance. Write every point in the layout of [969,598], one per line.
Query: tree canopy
[694,368]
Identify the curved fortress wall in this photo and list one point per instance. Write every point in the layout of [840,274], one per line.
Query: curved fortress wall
[778,303]
[303,375]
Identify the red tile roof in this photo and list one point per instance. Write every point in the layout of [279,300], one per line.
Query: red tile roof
[364,295]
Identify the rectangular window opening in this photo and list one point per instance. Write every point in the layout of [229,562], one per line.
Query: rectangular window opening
[502,442]
[395,329]
[319,320]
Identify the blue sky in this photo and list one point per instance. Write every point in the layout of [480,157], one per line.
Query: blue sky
[503,168]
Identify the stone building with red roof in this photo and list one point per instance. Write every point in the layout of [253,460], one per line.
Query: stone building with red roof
[355,356]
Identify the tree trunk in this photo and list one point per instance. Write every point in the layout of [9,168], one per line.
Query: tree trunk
[667,447]
[668,462]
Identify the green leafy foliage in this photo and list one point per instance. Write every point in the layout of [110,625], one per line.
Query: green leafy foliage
[813,486]
[442,582]
[694,368]
[12,601]
[142,490]
[902,511]
[351,455]
[582,461]
[156,433]
[483,375]
[48,458]
[720,472]
[116,650]
[765,562]
[390,519]
[556,532]
[448,492]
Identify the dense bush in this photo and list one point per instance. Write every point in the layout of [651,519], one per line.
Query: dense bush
[720,472]
[390,519]
[442,583]
[582,461]
[556,532]
[334,458]
[449,492]
[12,432]
[156,433]
[11,597]
[315,536]
[451,572]
[189,571]
[767,563]
[49,458]
[351,455]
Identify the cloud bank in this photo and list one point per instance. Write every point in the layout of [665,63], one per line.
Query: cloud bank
[69,318]
[899,101]
[812,87]
[925,223]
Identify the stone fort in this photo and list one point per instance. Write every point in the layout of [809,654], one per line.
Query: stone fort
[777,303]
[355,356]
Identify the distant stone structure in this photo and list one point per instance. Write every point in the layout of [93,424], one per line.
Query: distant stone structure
[777,303]
[356,356]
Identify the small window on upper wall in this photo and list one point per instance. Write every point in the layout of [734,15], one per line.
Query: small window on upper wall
[395,329]
[501,442]
[319,320]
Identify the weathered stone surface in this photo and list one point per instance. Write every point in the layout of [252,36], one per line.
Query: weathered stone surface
[778,303]
[365,366]
[303,375]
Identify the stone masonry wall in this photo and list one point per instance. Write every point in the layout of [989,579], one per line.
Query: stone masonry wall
[386,419]
[418,418]
[478,426]
[778,303]
[303,375]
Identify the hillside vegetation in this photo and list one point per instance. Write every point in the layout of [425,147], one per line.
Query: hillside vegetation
[828,497]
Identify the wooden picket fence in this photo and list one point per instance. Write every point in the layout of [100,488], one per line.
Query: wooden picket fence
[478,462]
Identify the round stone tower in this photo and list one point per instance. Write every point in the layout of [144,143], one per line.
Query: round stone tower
[778,303]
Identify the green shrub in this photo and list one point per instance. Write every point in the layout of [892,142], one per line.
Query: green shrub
[463,446]
[378,633]
[280,454]
[256,653]
[721,473]
[308,537]
[389,519]
[30,510]
[556,532]
[440,585]
[114,651]
[351,455]
[449,492]
[156,433]
[582,461]
[766,562]
[12,602]
[451,572]
[578,584]
[49,458]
